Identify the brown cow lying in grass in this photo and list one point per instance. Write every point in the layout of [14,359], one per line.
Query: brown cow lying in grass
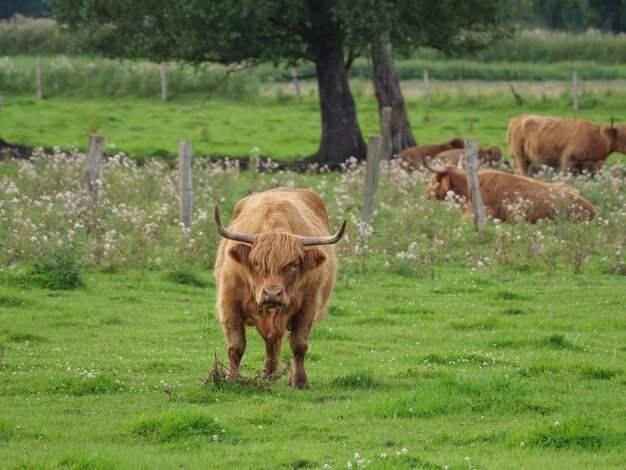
[275,270]
[411,158]
[486,155]
[562,143]
[509,197]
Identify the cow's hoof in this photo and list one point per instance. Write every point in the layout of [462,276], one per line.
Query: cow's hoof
[233,377]
[299,383]
[269,376]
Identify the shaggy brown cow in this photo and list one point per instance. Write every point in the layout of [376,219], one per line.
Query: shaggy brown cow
[486,155]
[272,273]
[412,157]
[562,143]
[506,196]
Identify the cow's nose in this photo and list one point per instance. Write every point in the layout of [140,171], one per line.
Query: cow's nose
[273,294]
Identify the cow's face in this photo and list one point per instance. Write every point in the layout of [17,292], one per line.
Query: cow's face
[619,136]
[457,143]
[437,187]
[274,263]
[492,154]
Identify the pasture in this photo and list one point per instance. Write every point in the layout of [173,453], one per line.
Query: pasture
[442,347]
[470,364]
[283,130]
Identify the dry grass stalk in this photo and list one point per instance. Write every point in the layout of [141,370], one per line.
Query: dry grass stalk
[217,376]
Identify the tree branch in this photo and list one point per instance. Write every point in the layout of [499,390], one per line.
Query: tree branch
[232,69]
[303,31]
[352,54]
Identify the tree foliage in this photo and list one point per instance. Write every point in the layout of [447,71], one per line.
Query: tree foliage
[282,31]
[193,31]
[450,26]
[575,15]
[273,30]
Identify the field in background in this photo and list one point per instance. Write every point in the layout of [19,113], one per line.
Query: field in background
[284,130]
[93,77]
[228,114]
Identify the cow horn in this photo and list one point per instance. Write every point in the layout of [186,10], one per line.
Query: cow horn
[612,122]
[224,232]
[461,163]
[311,241]
[434,169]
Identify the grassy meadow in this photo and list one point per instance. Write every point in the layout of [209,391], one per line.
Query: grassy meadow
[467,370]
[273,122]
[442,348]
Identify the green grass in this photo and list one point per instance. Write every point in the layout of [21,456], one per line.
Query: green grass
[474,347]
[149,128]
[502,69]
[77,390]
[281,129]
[93,77]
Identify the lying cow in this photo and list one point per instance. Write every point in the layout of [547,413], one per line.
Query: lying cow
[486,155]
[562,143]
[412,157]
[275,270]
[505,195]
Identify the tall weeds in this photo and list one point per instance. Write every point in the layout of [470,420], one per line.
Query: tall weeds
[135,221]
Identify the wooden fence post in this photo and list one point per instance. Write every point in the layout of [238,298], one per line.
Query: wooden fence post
[427,91]
[91,172]
[39,80]
[184,186]
[163,82]
[93,161]
[294,77]
[385,131]
[374,151]
[575,90]
[471,168]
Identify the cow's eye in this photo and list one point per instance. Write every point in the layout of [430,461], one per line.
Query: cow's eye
[256,265]
[291,267]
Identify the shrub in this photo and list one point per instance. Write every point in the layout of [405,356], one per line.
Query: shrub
[59,269]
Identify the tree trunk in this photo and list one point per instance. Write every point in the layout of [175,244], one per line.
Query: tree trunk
[388,92]
[341,135]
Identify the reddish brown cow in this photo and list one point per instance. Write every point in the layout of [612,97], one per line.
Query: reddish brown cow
[412,157]
[486,155]
[506,196]
[562,143]
[275,269]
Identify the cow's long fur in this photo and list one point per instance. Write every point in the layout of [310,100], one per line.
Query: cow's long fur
[412,157]
[486,155]
[277,257]
[562,143]
[507,197]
